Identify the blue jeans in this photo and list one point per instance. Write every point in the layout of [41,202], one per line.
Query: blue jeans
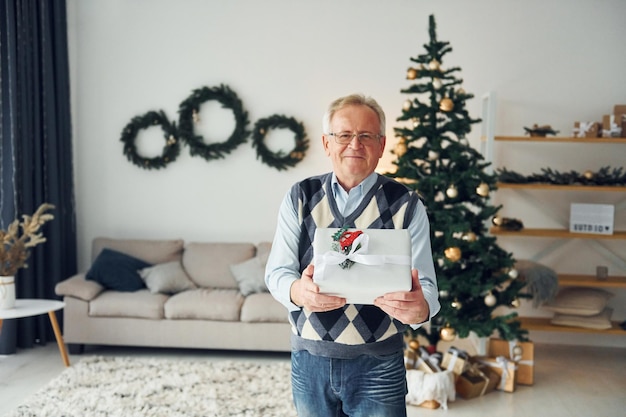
[367,386]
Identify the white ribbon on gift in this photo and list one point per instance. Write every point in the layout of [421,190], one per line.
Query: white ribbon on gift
[503,363]
[456,353]
[432,360]
[358,254]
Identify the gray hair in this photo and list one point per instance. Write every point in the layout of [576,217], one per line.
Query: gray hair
[353,100]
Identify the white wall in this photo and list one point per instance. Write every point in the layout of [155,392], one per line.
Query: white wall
[548,61]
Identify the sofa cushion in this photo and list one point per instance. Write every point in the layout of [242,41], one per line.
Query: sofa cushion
[167,278]
[205,304]
[117,271]
[262,307]
[141,304]
[250,276]
[151,251]
[208,264]
[78,287]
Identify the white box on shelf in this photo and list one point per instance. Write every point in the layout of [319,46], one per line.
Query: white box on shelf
[384,266]
[592,218]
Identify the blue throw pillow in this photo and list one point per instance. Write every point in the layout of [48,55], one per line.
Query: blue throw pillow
[117,271]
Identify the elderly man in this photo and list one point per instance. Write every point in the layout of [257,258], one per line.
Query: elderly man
[347,359]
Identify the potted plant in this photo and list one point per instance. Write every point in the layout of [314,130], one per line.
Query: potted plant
[15,245]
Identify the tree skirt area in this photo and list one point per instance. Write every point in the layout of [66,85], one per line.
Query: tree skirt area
[127,387]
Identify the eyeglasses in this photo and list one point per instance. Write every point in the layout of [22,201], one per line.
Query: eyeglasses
[343,138]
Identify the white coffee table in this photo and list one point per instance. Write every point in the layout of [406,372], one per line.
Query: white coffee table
[28,307]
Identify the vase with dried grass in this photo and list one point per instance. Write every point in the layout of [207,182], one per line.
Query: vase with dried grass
[15,245]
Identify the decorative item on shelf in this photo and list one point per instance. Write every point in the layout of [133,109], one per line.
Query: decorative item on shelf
[587,130]
[171,150]
[229,100]
[15,244]
[541,281]
[507,223]
[540,131]
[280,160]
[606,176]
[619,111]
[611,126]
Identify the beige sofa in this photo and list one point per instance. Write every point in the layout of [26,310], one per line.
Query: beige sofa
[212,313]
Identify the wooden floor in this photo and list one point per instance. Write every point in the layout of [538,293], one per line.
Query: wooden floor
[570,381]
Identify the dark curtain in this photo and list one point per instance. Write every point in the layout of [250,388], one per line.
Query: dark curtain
[36,151]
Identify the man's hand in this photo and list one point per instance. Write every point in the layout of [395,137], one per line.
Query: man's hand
[409,307]
[305,293]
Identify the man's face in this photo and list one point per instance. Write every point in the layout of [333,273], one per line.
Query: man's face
[354,161]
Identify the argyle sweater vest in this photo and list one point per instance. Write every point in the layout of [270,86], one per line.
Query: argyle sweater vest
[354,329]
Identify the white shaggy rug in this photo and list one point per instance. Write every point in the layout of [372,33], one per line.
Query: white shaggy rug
[126,387]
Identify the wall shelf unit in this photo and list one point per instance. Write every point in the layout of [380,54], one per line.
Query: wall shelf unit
[559,236]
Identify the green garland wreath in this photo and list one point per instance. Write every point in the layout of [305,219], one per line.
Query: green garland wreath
[189,109]
[279,160]
[171,150]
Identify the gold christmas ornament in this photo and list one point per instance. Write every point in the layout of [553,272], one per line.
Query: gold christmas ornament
[401,147]
[447,333]
[433,65]
[171,140]
[453,253]
[414,344]
[443,294]
[515,303]
[460,91]
[588,174]
[452,192]
[411,73]
[482,189]
[446,104]
[456,304]
[437,83]
[407,105]
[416,122]
[469,237]
[490,300]
[497,221]
[513,274]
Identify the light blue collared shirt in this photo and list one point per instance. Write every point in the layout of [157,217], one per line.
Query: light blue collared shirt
[283,263]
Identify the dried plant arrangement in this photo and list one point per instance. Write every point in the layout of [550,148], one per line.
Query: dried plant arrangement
[20,237]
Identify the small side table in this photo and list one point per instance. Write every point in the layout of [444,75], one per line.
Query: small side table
[28,307]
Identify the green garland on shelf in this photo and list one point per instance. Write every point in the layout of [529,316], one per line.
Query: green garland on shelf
[606,176]
[190,108]
[279,160]
[171,150]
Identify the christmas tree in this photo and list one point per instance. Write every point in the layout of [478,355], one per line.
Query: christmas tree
[434,157]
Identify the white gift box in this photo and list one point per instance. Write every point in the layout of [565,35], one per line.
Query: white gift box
[381,265]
